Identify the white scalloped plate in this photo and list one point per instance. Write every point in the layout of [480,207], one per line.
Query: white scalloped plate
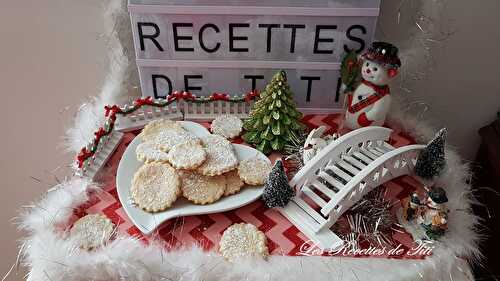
[148,222]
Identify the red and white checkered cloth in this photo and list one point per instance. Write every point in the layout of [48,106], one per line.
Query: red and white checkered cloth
[205,230]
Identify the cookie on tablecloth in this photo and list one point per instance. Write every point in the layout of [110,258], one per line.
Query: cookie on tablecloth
[254,171]
[201,189]
[243,240]
[154,127]
[187,155]
[227,126]
[233,183]
[92,231]
[220,156]
[155,187]
[149,152]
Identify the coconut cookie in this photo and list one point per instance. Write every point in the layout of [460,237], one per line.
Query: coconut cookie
[220,156]
[233,183]
[243,240]
[187,155]
[91,231]
[154,127]
[254,171]
[227,126]
[155,187]
[201,189]
[168,138]
[149,152]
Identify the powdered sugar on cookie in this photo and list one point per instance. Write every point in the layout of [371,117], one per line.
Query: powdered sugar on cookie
[233,183]
[254,171]
[243,240]
[149,152]
[92,231]
[220,156]
[155,187]
[201,189]
[227,126]
[154,127]
[187,155]
[168,138]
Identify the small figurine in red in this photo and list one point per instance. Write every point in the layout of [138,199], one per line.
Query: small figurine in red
[370,101]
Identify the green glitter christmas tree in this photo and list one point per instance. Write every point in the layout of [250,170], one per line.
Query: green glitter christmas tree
[277,190]
[274,119]
[431,161]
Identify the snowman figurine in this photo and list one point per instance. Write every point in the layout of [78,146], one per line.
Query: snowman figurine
[434,216]
[369,103]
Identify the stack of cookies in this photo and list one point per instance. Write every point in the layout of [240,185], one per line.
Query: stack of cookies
[178,163]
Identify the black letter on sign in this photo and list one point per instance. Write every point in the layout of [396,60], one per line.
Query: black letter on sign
[254,80]
[269,28]
[200,37]
[177,37]
[233,38]
[148,36]
[188,88]
[354,38]
[294,28]
[155,87]
[318,40]
[337,91]
[309,85]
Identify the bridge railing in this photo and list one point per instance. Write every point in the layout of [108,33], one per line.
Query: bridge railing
[345,145]
[390,165]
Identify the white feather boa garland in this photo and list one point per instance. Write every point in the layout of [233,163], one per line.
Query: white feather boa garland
[50,253]
[121,83]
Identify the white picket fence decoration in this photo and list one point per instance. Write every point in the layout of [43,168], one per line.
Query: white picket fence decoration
[340,175]
[210,110]
[105,149]
[146,114]
[177,110]
[181,110]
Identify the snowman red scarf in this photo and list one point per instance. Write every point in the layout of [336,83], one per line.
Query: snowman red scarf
[379,92]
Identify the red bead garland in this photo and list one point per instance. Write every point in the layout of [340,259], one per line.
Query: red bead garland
[181,96]
[251,95]
[219,96]
[110,112]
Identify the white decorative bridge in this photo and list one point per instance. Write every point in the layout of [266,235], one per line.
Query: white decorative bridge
[340,175]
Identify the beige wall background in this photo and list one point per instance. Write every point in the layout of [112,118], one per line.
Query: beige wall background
[52,59]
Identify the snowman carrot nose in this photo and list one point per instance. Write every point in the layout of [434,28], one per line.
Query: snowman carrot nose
[368,70]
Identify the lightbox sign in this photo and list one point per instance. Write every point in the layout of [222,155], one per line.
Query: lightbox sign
[234,47]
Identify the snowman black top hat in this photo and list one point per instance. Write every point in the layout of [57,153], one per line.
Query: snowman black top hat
[438,195]
[383,53]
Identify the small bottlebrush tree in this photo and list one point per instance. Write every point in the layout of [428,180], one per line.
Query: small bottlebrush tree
[274,119]
[277,190]
[431,161]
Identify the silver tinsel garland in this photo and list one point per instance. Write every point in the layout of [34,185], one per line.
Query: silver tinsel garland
[370,221]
